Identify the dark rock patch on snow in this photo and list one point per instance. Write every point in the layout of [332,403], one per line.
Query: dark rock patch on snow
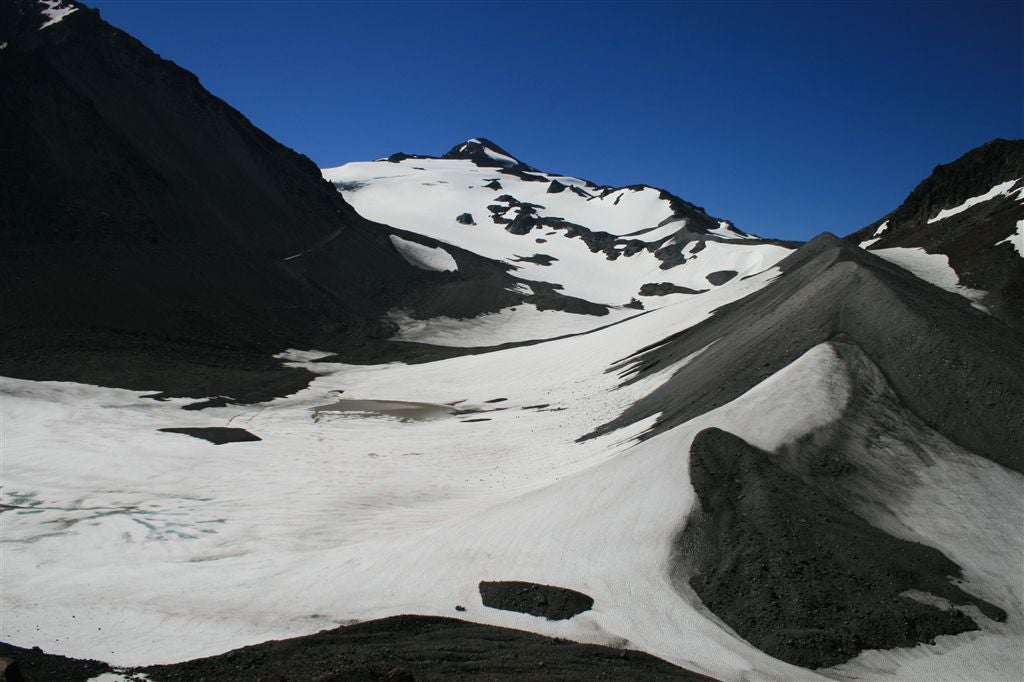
[546,601]
[798,575]
[537,259]
[465,219]
[555,187]
[666,288]
[547,297]
[218,435]
[566,304]
[720,277]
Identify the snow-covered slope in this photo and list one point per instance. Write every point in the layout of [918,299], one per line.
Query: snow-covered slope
[605,245]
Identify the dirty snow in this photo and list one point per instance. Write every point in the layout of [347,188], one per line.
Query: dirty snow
[425,257]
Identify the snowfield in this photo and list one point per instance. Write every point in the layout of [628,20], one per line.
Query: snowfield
[426,196]
[125,543]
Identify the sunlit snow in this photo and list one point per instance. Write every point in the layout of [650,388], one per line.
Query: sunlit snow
[1007,188]
[931,267]
[427,195]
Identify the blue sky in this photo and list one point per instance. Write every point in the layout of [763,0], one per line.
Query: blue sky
[788,118]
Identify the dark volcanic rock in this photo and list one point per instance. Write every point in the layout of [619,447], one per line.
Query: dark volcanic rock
[425,648]
[666,288]
[465,219]
[799,576]
[523,223]
[537,258]
[218,435]
[720,277]
[476,149]
[493,184]
[547,601]
[32,665]
[547,297]
[555,187]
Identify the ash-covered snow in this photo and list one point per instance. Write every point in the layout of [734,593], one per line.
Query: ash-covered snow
[1008,188]
[525,323]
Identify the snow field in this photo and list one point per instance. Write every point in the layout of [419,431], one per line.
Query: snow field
[426,195]
[139,547]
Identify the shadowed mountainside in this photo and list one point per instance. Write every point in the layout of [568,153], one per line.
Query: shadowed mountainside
[975,240]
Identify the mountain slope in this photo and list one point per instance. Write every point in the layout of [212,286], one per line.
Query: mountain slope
[143,213]
[619,421]
[621,249]
[971,211]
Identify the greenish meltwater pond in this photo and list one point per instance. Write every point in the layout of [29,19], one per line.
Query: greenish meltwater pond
[400,409]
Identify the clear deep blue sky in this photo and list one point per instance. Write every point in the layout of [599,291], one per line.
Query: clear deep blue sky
[788,118]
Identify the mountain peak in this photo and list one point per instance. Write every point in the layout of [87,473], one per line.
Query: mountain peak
[483,152]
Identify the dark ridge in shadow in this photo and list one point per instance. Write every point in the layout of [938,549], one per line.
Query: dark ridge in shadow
[546,601]
[218,435]
[190,266]
[398,648]
[959,370]
[975,239]
[799,576]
